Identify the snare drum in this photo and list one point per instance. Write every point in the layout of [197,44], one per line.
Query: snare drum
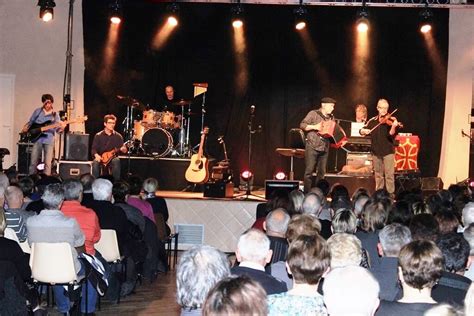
[169,120]
[151,118]
[157,142]
[139,128]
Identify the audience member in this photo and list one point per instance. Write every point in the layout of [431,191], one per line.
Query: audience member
[150,186]
[312,205]
[469,301]
[447,220]
[14,199]
[236,296]
[424,226]
[275,226]
[392,238]
[253,253]
[345,249]
[13,220]
[400,213]
[120,192]
[135,200]
[308,260]
[87,179]
[421,265]
[469,236]
[350,290]
[296,202]
[199,270]
[468,214]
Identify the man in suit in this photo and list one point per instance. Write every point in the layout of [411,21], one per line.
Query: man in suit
[253,252]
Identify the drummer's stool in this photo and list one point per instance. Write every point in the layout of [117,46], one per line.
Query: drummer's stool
[297,148]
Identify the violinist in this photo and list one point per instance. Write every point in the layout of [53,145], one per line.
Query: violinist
[382,129]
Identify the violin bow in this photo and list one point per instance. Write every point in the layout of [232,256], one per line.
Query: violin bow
[380,123]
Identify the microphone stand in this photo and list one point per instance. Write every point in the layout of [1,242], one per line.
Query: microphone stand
[335,159]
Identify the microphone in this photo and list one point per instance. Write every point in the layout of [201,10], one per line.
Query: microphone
[252,109]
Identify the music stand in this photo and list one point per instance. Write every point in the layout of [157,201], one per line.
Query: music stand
[296,149]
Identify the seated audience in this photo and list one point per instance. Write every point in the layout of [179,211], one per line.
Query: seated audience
[453,285]
[275,226]
[400,213]
[308,259]
[150,186]
[135,200]
[253,253]
[351,290]
[87,179]
[392,238]
[199,270]
[467,217]
[14,198]
[296,202]
[421,265]
[448,221]
[51,226]
[312,205]
[236,296]
[345,249]
[120,192]
[469,236]
[13,220]
[424,226]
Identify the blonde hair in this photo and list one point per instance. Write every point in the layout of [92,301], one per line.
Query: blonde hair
[345,249]
[3,222]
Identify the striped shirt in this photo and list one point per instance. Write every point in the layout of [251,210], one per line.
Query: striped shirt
[15,221]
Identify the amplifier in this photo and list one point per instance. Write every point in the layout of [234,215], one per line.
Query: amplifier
[219,189]
[24,157]
[73,169]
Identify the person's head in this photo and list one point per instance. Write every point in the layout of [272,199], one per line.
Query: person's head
[312,204]
[87,179]
[303,224]
[169,92]
[14,197]
[53,196]
[120,191]
[344,221]
[455,251]
[421,264]
[382,106]
[47,100]
[444,309]
[322,185]
[468,234]
[359,203]
[254,246]
[327,105]
[2,196]
[468,214]
[400,213]
[392,238]
[109,122]
[424,226]
[198,270]
[72,190]
[4,181]
[276,223]
[469,301]
[345,249]
[308,259]
[27,186]
[236,295]
[296,201]
[374,215]
[3,222]
[136,185]
[102,190]
[150,185]
[360,113]
[339,191]
[448,222]
[358,288]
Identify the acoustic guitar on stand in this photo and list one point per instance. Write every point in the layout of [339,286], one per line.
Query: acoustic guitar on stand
[198,170]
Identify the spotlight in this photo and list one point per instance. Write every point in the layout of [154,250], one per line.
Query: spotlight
[280,175]
[173,10]
[246,175]
[363,20]
[426,20]
[300,17]
[46,12]
[237,12]
[115,11]
[246,181]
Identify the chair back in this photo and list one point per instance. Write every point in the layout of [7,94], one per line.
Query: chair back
[160,226]
[52,263]
[296,138]
[108,245]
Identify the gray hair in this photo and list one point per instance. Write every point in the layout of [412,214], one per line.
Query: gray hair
[468,214]
[2,193]
[359,204]
[312,204]
[253,245]
[344,221]
[356,285]
[150,185]
[4,182]
[102,189]
[469,236]
[277,221]
[393,237]
[53,196]
[72,190]
[199,269]
[13,195]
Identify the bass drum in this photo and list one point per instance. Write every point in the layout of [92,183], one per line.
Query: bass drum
[157,142]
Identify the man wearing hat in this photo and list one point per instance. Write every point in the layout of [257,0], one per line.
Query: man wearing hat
[317,147]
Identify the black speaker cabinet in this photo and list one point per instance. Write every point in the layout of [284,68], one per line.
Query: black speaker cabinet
[275,185]
[431,184]
[219,189]
[73,169]
[24,157]
[77,147]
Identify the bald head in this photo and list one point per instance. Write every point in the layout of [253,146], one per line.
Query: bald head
[276,223]
[312,204]
[14,197]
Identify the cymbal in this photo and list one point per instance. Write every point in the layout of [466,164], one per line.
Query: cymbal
[183,102]
[129,101]
[291,152]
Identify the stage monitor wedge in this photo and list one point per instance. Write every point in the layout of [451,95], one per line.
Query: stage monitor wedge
[272,186]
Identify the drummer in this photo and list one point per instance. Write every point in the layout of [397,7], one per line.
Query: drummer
[169,100]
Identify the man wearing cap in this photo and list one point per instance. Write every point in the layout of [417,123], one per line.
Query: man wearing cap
[317,147]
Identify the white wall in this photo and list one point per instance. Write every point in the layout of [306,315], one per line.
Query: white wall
[35,52]
[454,162]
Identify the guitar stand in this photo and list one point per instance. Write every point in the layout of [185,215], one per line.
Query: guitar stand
[190,188]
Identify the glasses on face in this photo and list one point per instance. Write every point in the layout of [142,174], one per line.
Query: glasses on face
[111,123]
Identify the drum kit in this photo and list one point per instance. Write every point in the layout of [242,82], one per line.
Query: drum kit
[157,134]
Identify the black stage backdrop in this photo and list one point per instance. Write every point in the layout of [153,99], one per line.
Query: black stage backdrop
[283,82]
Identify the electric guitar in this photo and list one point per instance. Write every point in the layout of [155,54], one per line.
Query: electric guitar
[35,131]
[198,170]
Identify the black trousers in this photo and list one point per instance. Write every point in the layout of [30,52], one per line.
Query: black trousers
[314,160]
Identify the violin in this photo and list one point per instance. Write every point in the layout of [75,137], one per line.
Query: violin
[389,120]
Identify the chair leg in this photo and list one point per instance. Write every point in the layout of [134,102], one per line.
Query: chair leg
[175,249]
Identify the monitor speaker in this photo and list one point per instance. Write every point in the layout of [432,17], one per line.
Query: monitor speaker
[77,147]
[271,186]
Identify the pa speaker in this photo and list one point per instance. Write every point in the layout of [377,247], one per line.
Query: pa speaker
[73,169]
[24,157]
[77,147]
[272,186]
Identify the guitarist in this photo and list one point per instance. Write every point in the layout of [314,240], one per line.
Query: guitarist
[44,145]
[106,142]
